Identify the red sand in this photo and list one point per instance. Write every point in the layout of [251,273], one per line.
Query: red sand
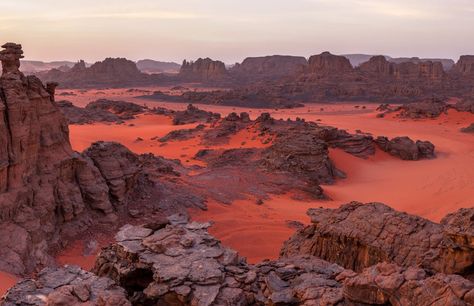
[74,254]
[428,188]
[6,282]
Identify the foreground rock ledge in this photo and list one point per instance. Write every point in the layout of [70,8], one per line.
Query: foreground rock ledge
[181,264]
[358,235]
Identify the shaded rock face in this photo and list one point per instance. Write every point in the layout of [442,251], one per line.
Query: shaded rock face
[358,236]
[203,69]
[465,105]
[66,286]
[45,188]
[388,284]
[269,67]
[305,155]
[118,165]
[405,148]
[465,65]
[379,66]
[327,63]
[429,108]
[50,194]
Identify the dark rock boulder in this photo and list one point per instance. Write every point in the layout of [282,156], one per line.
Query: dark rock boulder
[405,148]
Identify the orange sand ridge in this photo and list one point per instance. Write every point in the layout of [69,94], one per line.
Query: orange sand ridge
[428,188]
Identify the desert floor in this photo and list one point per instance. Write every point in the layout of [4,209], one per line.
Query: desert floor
[427,188]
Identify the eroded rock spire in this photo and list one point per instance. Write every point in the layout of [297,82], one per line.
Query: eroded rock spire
[10,57]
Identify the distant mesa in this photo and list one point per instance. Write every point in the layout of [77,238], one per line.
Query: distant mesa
[327,63]
[269,67]
[203,69]
[152,66]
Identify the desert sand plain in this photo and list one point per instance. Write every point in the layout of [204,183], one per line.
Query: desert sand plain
[428,188]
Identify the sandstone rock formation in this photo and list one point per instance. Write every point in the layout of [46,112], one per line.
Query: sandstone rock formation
[50,194]
[151,66]
[388,284]
[465,65]
[379,66]
[66,286]
[125,110]
[109,72]
[428,108]
[358,236]
[203,70]
[405,148]
[184,265]
[45,187]
[268,67]
[327,63]
[173,262]
[79,115]
[192,114]
[465,105]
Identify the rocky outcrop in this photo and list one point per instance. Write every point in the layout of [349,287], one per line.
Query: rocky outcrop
[465,65]
[192,114]
[304,155]
[151,66]
[358,236]
[79,115]
[428,108]
[203,70]
[269,67]
[405,148]
[125,110]
[173,262]
[327,63]
[50,194]
[465,105]
[45,188]
[388,284]
[109,72]
[184,265]
[379,66]
[66,286]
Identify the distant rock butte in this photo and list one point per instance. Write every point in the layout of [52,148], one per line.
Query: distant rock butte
[203,69]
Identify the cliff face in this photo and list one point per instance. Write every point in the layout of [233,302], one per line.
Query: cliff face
[358,235]
[45,188]
[378,66]
[465,65]
[327,63]
[203,69]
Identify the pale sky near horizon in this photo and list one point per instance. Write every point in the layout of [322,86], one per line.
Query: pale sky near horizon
[231,30]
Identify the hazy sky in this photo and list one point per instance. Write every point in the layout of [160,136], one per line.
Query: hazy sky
[230,30]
